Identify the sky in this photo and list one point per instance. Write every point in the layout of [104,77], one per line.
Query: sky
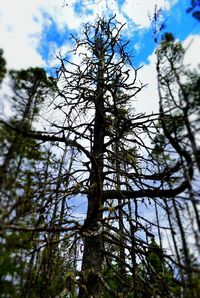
[34,32]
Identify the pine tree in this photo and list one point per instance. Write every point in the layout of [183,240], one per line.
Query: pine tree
[96,153]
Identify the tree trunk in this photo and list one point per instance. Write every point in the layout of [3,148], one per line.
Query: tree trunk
[92,255]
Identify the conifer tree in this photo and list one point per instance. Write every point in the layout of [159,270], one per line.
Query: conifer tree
[107,165]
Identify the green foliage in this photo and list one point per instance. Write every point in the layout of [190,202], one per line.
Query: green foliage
[31,87]
[158,150]
[2,66]
[130,156]
[11,262]
[174,123]
[192,87]
[155,256]
[158,275]
[170,49]
[168,38]
[195,9]
[113,279]
[35,76]
[21,159]
[195,284]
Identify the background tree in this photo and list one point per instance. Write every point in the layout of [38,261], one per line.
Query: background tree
[2,66]
[194,9]
[133,173]
[180,121]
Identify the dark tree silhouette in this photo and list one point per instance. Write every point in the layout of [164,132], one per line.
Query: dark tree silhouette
[120,164]
[194,9]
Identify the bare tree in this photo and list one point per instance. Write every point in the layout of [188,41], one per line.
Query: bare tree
[115,172]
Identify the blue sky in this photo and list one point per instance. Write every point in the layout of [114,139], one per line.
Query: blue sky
[46,26]
[176,19]
[33,32]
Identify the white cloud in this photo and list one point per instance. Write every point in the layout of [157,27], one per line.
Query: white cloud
[21,26]
[147,99]
[19,34]
[192,46]
[22,23]
[138,10]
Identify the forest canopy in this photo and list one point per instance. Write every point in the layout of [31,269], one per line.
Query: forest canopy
[98,199]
